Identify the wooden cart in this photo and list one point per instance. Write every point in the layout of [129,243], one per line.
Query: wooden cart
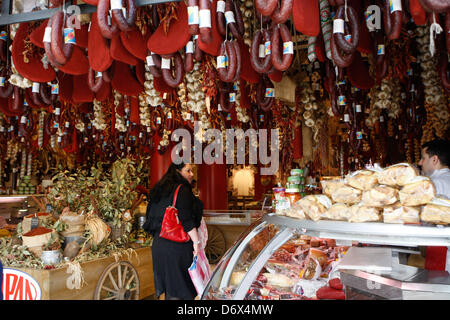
[105,279]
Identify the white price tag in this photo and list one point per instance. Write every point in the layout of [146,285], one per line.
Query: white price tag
[193,15]
[288,47]
[261,53]
[48,35]
[150,62]
[116,4]
[98,74]
[232,97]
[2,81]
[221,62]
[338,26]
[395,5]
[35,88]
[229,17]
[267,48]
[346,117]
[221,6]
[23,120]
[58,111]
[380,49]
[205,18]
[358,108]
[165,63]
[190,47]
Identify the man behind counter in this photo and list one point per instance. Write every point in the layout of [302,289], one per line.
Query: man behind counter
[435,164]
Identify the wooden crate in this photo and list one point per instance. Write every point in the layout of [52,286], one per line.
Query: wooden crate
[53,282]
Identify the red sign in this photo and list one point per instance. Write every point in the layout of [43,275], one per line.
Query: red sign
[18,285]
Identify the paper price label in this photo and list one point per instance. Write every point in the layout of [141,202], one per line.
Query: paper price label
[190,47]
[3,36]
[229,116]
[205,18]
[98,74]
[149,60]
[229,17]
[23,120]
[348,38]
[346,117]
[232,97]
[56,125]
[158,120]
[270,92]
[188,116]
[219,107]
[169,115]
[261,53]
[2,81]
[267,48]
[380,49]
[58,111]
[288,47]
[193,15]
[116,4]
[222,62]
[36,86]
[338,26]
[48,35]
[381,119]
[359,135]
[220,6]
[358,108]
[25,103]
[395,5]
[235,87]
[342,100]
[261,117]
[54,88]
[165,63]
[69,36]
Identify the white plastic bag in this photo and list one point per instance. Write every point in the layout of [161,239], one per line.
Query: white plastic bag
[200,272]
[203,233]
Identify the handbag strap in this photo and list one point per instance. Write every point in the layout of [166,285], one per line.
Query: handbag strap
[175,196]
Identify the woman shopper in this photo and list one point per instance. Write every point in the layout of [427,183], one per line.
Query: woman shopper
[171,259]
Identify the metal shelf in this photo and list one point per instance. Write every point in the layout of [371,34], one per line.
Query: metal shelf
[370,232]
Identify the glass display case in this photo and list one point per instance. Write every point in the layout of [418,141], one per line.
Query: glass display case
[279,257]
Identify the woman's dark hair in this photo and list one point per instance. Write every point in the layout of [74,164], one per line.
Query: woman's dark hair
[168,182]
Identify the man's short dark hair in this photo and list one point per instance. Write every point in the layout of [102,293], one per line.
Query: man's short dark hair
[439,148]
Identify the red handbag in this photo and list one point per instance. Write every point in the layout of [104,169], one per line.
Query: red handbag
[171,229]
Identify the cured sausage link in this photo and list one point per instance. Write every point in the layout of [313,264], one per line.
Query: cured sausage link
[94,82]
[283,13]
[258,65]
[179,72]
[282,58]
[266,7]
[392,22]
[125,23]
[61,52]
[340,40]
[227,74]
[205,28]
[102,17]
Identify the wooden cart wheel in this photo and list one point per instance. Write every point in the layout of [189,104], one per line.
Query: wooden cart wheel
[215,247]
[119,281]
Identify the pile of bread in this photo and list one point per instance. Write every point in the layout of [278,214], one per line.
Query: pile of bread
[396,194]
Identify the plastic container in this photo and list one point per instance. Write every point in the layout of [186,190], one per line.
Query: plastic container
[293,195]
[297,172]
[294,179]
[279,201]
